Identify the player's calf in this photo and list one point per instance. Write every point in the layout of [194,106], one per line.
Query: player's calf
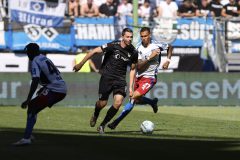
[93,121]
[155,105]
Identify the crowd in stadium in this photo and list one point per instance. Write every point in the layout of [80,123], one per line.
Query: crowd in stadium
[154,8]
[147,8]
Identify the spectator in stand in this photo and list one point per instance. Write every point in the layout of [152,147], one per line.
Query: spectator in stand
[116,2]
[97,2]
[89,9]
[73,8]
[124,9]
[108,9]
[89,65]
[216,8]
[2,10]
[144,10]
[232,9]
[167,9]
[204,9]
[186,9]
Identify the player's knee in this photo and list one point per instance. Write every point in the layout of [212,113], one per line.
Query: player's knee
[117,103]
[101,104]
[136,95]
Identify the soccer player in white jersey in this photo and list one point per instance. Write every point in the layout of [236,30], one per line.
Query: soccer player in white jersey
[149,57]
[53,89]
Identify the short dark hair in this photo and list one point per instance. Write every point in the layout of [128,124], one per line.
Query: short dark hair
[143,29]
[32,48]
[126,30]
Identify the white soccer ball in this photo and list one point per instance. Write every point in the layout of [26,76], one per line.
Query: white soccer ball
[147,127]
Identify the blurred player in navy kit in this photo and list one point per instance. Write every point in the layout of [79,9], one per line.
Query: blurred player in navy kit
[53,90]
[118,55]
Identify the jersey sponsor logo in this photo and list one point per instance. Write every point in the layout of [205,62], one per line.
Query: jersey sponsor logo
[118,56]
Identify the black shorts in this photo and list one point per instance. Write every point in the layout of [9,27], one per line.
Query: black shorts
[108,85]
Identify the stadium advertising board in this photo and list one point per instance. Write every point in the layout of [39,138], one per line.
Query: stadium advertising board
[183,32]
[173,89]
[94,31]
[233,36]
[49,38]
[37,12]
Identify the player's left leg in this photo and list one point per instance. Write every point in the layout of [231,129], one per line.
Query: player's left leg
[152,102]
[118,99]
[141,86]
[43,100]
[126,110]
[145,86]
[105,89]
[100,104]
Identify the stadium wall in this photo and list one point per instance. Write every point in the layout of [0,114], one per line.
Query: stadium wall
[172,89]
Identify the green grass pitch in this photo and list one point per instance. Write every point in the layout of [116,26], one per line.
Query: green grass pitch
[180,133]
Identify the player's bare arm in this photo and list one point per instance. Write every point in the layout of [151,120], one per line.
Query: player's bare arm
[78,66]
[131,78]
[93,66]
[169,55]
[33,88]
[144,64]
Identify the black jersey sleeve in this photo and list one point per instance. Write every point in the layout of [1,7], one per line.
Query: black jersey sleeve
[108,47]
[134,57]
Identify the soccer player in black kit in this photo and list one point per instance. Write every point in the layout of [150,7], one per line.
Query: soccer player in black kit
[118,55]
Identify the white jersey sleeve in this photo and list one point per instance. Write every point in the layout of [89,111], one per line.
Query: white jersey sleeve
[145,52]
[161,45]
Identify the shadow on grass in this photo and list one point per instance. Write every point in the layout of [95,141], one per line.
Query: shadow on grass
[80,145]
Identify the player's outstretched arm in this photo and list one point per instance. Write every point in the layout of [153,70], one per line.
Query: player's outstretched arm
[78,66]
[169,55]
[32,90]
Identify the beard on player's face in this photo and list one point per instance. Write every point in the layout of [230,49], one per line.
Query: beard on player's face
[145,42]
[127,42]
